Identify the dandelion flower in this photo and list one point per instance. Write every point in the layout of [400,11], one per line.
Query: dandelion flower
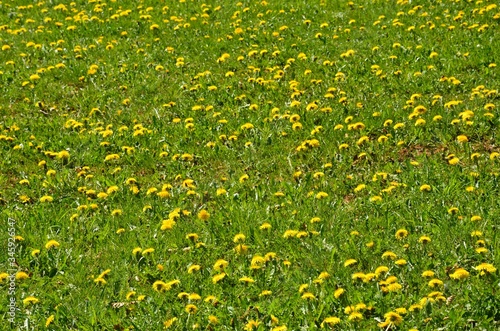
[217,278]
[435,282]
[391,318]
[52,244]
[252,324]
[355,316]
[331,321]
[30,300]
[167,224]
[265,293]
[193,268]
[460,273]
[389,255]
[424,239]
[308,296]
[247,280]
[338,292]
[400,262]
[191,309]
[46,198]
[100,281]
[21,275]
[401,234]
[265,226]
[381,270]
[192,236]
[486,268]
[394,287]
[160,286]
[203,215]
[49,321]
[321,195]
[240,237]
[425,188]
[168,323]
[350,262]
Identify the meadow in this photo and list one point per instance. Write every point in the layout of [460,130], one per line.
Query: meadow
[253,165]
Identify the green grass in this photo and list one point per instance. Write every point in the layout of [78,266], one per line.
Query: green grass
[188,98]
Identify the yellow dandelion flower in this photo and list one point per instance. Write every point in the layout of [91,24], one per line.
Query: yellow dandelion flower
[247,280]
[265,293]
[338,292]
[46,198]
[251,325]
[355,316]
[167,224]
[221,191]
[425,188]
[331,321]
[21,275]
[308,296]
[49,321]
[168,323]
[265,226]
[213,319]
[240,237]
[435,283]
[243,178]
[359,188]
[401,234]
[52,244]
[220,265]
[485,268]
[321,195]
[460,273]
[161,286]
[389,255]
[116,212]
[400,262]
[100,281]
[193,268]
[203,215]
[217,278]
[192,236]
[350,262]
[424,239]
[30,300]
[394,287]
[393,318]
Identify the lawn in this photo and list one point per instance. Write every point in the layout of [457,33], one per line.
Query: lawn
[254,165]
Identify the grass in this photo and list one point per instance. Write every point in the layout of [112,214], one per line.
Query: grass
[250,165]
